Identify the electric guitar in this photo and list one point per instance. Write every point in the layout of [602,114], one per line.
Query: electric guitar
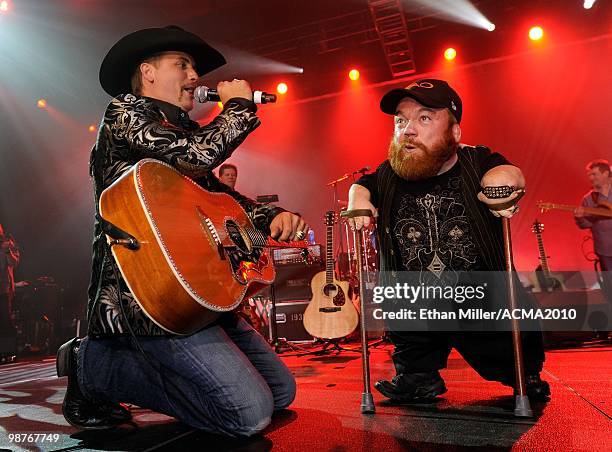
[331,313]
[605,211]
[192,255]
[544,280]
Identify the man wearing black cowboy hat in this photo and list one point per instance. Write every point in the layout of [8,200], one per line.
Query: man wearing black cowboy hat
[225,378]
[431,224]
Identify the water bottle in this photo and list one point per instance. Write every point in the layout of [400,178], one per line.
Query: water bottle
[311,238]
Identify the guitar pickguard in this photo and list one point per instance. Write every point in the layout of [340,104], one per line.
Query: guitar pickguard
[339,298]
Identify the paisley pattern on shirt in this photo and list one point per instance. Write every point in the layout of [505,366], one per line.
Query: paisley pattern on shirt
[135,128]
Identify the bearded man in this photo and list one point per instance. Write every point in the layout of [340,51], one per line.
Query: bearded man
[433,218]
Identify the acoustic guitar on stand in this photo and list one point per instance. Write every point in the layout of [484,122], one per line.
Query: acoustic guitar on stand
[544,280]
[331,313]
[188,254]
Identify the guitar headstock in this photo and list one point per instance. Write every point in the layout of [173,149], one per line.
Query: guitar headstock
[330,218]
[537,227]
[544,206]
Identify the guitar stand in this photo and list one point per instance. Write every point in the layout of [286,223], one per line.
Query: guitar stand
[367,401]
[333,345]
[382,340]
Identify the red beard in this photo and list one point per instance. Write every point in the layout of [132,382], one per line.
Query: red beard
[423,162]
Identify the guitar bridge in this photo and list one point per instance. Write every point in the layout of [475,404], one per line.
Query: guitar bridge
[334,309]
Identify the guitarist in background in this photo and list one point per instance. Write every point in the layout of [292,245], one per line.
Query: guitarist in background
[431,220]
[225,378]
[598,172]
[9,260]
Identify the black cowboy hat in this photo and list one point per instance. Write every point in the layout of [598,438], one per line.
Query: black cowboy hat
[121,60]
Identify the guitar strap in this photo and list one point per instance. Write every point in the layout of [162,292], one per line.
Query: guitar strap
[119,236]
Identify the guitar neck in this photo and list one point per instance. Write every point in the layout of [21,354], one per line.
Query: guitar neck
[329,255]
[543,259]
[261,240]
[598,211]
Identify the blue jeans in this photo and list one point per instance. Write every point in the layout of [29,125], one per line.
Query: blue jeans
[223,379]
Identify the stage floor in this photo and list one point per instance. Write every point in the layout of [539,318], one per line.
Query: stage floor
[326,416]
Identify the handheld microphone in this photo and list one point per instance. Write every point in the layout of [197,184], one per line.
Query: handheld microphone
[205,94]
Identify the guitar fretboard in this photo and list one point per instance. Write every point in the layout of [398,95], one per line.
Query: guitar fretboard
[543,259]
[329,254]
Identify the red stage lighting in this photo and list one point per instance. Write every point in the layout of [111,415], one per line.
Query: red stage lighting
[536,33]
[4,6]
[42,103]
[281,88]
[450,54]
[354,74]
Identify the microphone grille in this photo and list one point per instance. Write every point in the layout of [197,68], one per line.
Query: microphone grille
[200,94]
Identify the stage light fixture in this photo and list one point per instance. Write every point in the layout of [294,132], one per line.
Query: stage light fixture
[450,54]
[588,4]
[354,74]
[536,33]
[281,88]
[42,103]
[91,128]
[491,27]
[4,6]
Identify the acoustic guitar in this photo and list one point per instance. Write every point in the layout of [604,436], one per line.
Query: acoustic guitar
[197,253]
[544,280]
[331,313]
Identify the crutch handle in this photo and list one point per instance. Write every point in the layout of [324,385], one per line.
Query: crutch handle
[356,213]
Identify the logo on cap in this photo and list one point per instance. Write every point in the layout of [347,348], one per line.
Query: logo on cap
[420,85]
[453,106]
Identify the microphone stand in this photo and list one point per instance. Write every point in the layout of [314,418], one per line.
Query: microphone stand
[335,208]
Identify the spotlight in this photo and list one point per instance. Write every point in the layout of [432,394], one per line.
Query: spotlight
[91,128]
[300,70]
[4,6]
[491,27]
[281,88]
[42,103]
[588,4]
[536,33]
[450,54]
[354,74]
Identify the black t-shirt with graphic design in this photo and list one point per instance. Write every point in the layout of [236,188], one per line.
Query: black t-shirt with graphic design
[431,229]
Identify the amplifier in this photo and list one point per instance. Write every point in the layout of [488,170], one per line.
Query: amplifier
[593,315]
[293,282]
[292,256]
[290,322]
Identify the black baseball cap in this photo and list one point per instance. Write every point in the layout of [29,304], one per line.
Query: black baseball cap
[429,92]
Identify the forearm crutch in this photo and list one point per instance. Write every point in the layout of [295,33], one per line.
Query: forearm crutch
[522,408]
[367,401]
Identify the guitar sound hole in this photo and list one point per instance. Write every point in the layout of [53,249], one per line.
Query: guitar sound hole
[330,290]
[333,291]
[237,237]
